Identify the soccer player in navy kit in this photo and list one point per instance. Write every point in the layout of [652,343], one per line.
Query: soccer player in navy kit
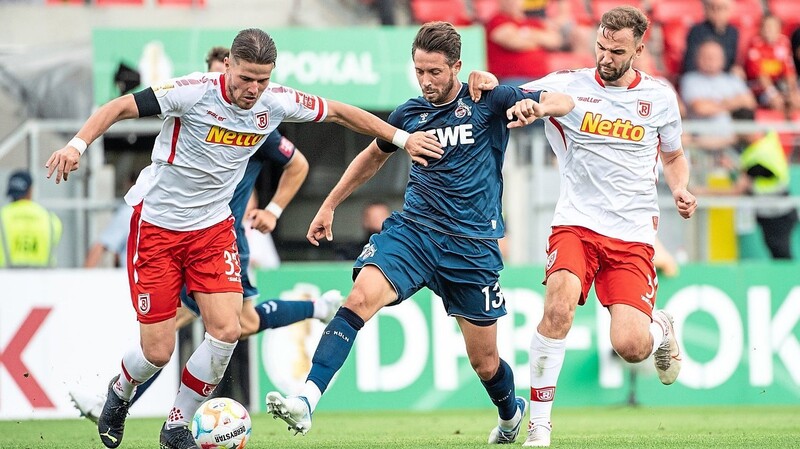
[445,238]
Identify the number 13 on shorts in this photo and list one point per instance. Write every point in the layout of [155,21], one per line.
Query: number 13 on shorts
[493,297]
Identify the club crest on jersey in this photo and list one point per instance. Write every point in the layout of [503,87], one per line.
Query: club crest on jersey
[143,303]
[462,110]
[423,117]
[644,108]
[262,120]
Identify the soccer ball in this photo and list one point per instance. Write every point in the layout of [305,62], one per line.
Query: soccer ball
[221,423]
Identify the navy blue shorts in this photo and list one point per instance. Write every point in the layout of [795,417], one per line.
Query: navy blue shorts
[464,272]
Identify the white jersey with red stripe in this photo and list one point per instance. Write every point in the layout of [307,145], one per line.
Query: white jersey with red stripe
[607,150]
[203,147]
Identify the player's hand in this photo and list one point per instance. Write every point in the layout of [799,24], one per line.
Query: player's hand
[262,220]
[422,146]
[685,201]
[526,112]
[62,162]
[479,81]
[321,226]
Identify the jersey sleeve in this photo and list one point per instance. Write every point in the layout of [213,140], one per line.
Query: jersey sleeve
[176,96]
[555,81]
[395,119]
[670,132]
[300,106]
[276,148]
[501,98]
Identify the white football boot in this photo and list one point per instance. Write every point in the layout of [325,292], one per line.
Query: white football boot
[667,357]
[294,410]
[538,435]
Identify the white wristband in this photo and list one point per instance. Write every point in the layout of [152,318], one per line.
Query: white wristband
[400,138]
[274,209]
[79,144]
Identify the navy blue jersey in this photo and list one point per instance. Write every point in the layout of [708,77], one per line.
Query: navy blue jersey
[461,193]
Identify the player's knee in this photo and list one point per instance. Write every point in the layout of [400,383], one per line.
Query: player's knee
[557,319]
[229,333]
[158,354]
[362,304]
[485,367]
[631,350]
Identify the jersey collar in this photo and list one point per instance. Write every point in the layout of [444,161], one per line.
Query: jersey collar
[222,89]
[633,84]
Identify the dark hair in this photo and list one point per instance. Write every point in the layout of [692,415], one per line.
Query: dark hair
[623,17]
[217,54]
[255,46]
[440,37]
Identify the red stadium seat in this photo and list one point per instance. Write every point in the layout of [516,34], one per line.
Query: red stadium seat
[599,7]
[674,34]
[453,11]
[567,60]
[788,11]
[670,11]
[484,9]
[577,9]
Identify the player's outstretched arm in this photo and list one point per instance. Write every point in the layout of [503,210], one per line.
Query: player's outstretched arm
[293,176]
[361,169]
[479,81]
[550,104]
[420,145]
[676,173]
[66,160]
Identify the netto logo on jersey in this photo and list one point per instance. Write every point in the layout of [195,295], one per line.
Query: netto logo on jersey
[621,129]
[218,134]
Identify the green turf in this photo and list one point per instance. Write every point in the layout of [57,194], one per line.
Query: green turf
[623,427]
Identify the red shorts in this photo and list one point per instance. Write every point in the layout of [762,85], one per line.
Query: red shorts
[161,261]
[622,272]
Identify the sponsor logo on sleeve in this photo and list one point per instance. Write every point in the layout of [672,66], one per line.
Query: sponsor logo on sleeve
[308,101]
[286,146]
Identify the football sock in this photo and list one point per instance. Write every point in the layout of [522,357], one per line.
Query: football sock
[144,386]
[202,373]
[135,371]
[334,347]
[546,359]
[276,313]
[312,394]
[658,331]
[501,391]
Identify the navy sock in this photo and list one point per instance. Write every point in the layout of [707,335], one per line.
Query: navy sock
[276,313]
[140,389]
[334,347]
[501,391]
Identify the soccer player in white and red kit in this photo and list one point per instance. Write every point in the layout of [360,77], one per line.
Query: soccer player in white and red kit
[182,228]
[607,214]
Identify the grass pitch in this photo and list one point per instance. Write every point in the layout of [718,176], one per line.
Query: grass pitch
[613,427]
